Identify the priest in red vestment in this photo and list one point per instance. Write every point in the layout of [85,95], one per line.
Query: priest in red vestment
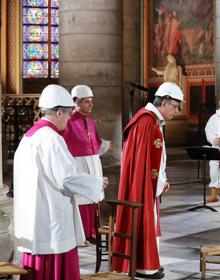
[143,179]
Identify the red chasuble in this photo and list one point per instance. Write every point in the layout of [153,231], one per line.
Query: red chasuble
[138,183]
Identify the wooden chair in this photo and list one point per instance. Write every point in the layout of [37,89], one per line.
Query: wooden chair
[112,233]
[101,242]
[8,270]
[205,252]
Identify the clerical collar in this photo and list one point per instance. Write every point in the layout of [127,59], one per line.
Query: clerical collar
[80,115]
[152,108]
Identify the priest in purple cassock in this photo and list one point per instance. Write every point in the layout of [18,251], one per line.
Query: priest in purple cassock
[86,147]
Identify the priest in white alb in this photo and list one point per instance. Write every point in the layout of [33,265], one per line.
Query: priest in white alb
[47,224]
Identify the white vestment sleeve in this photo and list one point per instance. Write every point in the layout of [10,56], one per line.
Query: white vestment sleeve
[211,129]
[162,178]
[61,174]
[104,147]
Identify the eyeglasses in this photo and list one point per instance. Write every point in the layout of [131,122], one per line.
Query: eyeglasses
[67,111]
[175,106]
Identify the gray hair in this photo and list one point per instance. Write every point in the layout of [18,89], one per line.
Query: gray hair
[158,101]
[51,111]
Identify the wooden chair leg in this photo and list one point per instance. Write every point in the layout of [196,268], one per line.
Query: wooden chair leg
[200,261]
[106,238]
[98,255]
[28,276]
[198,170]
[203,277]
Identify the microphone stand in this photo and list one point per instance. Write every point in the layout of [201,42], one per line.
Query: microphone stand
[131,95]
[131,102]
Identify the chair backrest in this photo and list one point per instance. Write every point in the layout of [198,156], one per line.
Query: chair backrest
[101,218]
[134,206]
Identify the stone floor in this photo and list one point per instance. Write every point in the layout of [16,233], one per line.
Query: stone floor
[183,230]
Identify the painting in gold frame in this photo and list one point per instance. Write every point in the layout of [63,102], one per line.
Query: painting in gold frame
[184,28]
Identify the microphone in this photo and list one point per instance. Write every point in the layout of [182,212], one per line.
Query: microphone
[130,83]
[137,86]
[140,87]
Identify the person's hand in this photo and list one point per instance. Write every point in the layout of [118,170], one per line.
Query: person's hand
[216,142]
[166,187]
[105,182]
[111,146]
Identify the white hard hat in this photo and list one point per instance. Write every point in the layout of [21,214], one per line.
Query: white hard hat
[81,91]
[170,89]
[54,96]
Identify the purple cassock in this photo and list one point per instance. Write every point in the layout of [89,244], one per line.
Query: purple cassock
[84,145]
[52,266]
[81,136]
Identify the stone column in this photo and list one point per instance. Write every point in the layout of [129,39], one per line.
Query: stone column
[217,51]
[90,53]
[131,50]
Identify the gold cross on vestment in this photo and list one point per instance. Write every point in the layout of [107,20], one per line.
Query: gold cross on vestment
[88,134]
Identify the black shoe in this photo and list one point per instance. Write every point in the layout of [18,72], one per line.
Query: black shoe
[157,275]
[161,269]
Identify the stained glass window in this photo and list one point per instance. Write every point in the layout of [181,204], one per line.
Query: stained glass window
[33,33]
[40,39]
[36,3]
[36,69]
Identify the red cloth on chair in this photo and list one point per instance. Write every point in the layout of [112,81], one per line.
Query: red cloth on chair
[63,266]
[88,219]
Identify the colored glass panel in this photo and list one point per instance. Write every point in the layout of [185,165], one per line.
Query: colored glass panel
[54,34]
[55,69]
[35,69]
[35,51]
[35,16]
[34,33]
[54,16]
[35,3]
[36,41]
[55,51]
[55,3]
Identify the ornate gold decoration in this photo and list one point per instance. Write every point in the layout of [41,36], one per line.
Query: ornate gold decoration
[158,143]
[200,70]
[154,173]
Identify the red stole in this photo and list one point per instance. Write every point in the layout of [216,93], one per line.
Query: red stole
[39,124]
[138,182]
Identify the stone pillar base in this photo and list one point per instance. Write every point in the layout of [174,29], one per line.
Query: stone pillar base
[5,238]
[3,193]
